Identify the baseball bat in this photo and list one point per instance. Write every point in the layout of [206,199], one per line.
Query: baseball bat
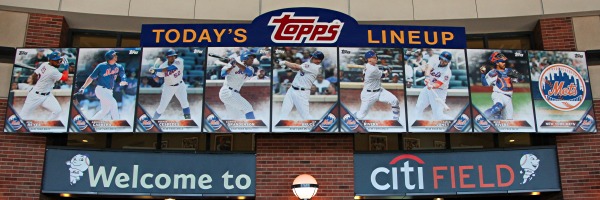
[438,99]
[419,79]
[23,65]
[217,56]
[355,66]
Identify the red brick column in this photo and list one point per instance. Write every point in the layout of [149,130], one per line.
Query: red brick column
[578,154]
[22,155]
[328,158]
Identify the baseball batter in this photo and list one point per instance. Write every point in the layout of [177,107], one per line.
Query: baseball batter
[106,75]
[172,72]
[501,78]
[235,74]
[438,78]
[299,92]
[40,94]
[372,90]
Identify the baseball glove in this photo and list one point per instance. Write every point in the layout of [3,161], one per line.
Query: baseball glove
[514,74]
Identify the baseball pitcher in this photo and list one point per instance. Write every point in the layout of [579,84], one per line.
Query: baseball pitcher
[172,73]
[235,74]
[299,93]
[501,78]
[438,78]
[40,94]
[106,75]
[372,90]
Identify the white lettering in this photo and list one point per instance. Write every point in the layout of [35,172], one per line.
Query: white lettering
[226,178]
[143,181]
[203,180]
[246,179]
[101,173]
[167,181]
[184,178]
[122,178]
[407,170]
[135,176]
[374,178]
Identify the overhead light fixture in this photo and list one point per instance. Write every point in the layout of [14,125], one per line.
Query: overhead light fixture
[65,195]
[511,140]
[535,193]
[356,197]
[84,141]
[438,198]
[241,197]
[169,199]
[305,187]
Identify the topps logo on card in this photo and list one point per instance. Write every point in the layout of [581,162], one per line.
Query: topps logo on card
[292,29]
[133,52]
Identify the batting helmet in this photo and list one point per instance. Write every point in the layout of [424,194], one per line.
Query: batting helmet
[318,55]
[446,56]
[497,57]
[55,55]
[171,52]
[109,55]
[370,54]
[245,56]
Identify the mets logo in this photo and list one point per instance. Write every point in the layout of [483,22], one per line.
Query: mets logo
[291,29]
[327,121]
[14,122]
[482,123]
[213,121]
[77,165]
[80,122]
[562,87]
[461,122]
[350,121]
[587,123]
[146,122]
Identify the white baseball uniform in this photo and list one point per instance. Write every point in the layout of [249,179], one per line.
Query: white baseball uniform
[299,93]
[235,104]
[173,84]
[41,93]
[503,90]
[426,97]
[105,75]
[373,92]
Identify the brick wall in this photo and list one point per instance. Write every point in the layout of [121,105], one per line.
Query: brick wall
[555,34]
[22,156]
[328,158]
[578,154]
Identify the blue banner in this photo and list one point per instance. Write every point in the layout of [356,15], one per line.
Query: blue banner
[302,27]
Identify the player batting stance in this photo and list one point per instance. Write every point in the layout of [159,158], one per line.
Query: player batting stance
[106,74]
[44,78]
[172,72]
[372,91]
[235,74]
[438,74]
[501,78]
[299,93]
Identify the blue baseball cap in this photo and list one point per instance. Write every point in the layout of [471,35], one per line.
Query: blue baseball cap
[171,52]
[55,55]
[110,55]
[370,54]
[446,56]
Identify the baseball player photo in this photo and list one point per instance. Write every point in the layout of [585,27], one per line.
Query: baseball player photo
[40,90]
[171,98]
[305,95]
[237,99]
[372,93]
[561,91]
[437,90]
[500,90]
[105,90]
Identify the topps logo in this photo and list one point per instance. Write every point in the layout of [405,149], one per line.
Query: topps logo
[517,54]
[197,51]
[578,55]
[346,52]
[134,52]
[290,29]
[22,53]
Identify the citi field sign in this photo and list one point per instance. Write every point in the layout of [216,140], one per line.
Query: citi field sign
[301,26]
[135,173]
[450,173]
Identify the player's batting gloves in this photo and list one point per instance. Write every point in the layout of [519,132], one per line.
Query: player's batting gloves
[151,70]
[282,63]
[81,91]
[123,83]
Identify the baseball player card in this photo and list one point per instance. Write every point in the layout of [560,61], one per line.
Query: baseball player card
[437,90]
[500,90]
[561,92]
[305,89]
[105,91]
[170,90]
[372,90]
[237,89]
[40,90]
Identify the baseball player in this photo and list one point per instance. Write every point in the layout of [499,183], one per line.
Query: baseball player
[437,81]
[501,78]
[106,75]
[372,90]
[299,92]
[172,72]
[44,78]
[235,74]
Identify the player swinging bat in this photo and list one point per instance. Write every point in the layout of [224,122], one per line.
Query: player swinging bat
[298,95]
[172,72]
[235,74]
[501,78]
[373,91]
[438,75]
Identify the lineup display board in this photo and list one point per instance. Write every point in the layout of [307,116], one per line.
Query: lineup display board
[561,91]
[305,70]
[40,91]
[437,92]
[500,90]
[170,90]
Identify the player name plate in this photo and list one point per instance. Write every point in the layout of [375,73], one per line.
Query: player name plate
[247,125]
[43,125]
[178,125]
[111,125]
